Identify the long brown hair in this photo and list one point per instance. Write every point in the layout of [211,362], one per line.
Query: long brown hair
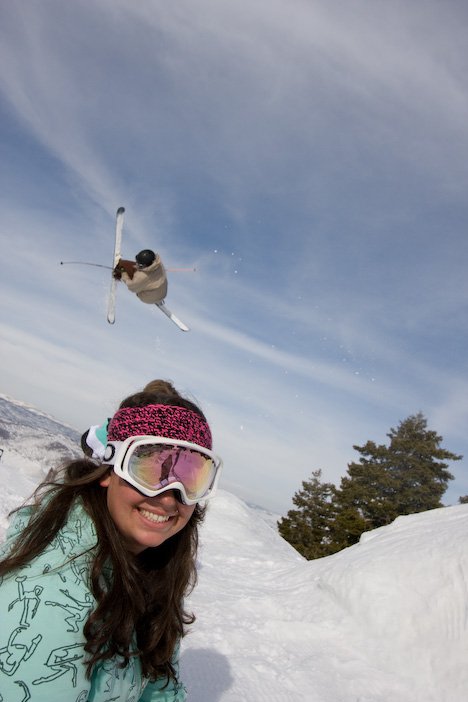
[145,594]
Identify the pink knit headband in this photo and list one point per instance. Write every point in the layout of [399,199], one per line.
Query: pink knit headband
[160,420]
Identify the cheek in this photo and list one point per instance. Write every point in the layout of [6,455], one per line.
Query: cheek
[186,511]
[119,494]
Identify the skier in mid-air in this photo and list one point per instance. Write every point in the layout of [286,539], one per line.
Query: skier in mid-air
[145,276]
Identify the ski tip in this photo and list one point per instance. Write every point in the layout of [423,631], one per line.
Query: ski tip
[121,210]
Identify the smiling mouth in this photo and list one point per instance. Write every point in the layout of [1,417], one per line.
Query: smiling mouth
[156,518]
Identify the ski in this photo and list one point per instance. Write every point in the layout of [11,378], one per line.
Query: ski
[172,316]
[117,247]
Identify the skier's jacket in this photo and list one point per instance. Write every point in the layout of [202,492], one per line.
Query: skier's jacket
[150,283]
[43,607]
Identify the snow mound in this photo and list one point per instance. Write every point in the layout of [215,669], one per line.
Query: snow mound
[382,621]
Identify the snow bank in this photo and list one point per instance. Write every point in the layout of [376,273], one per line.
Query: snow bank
[382,621]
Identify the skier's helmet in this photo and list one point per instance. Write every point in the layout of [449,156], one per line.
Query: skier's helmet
[145,258]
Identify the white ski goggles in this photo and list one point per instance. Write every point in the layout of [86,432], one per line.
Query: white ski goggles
[154,464]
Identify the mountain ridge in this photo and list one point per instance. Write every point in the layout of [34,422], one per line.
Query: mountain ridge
[28,434]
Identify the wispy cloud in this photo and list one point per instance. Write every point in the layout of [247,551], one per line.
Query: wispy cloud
[307,158]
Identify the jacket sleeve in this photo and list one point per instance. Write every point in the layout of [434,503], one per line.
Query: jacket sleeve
[125,266]
[137,282]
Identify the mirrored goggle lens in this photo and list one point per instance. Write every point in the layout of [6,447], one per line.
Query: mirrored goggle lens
[154,467]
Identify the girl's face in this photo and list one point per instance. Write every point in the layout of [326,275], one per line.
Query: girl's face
[144,522]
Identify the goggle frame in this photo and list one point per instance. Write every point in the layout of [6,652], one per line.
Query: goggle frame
[118,454]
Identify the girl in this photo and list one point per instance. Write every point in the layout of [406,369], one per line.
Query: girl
[94,573]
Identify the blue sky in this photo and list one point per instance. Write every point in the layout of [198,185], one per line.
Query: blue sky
[309,158]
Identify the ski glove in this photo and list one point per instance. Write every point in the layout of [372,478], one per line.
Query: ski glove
[124,265]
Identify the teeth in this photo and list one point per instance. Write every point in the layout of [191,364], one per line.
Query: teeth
[154,517]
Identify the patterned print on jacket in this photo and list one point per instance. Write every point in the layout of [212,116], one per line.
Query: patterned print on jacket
[43,608]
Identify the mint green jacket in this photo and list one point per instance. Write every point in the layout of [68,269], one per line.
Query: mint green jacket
[43,608]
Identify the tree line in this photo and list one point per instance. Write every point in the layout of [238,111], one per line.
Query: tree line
[408,475]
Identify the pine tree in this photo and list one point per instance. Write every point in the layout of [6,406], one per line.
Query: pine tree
[368,488]
[409,475]
[307,528]
[347,527]
[418,466]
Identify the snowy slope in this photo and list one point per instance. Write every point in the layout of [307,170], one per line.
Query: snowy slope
[28,435]
[31,443]
[383,621]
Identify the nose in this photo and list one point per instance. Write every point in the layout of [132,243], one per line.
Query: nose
[168,499]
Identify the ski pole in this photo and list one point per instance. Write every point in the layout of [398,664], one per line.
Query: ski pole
[181,270]
[84,263]
[100,265]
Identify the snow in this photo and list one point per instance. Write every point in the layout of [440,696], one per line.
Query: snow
[383,621]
